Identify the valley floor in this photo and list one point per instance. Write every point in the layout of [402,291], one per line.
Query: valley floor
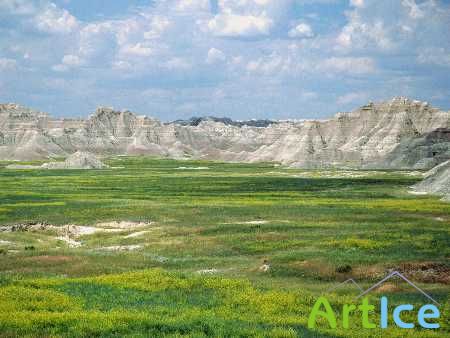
[153,247]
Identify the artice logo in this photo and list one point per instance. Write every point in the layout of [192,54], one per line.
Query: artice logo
[427,314]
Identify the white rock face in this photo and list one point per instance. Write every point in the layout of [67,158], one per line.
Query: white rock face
[436,181]
[78,160]
[399,133]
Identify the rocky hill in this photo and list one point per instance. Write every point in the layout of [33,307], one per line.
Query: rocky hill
[78,160]
[436,181]
[400,133]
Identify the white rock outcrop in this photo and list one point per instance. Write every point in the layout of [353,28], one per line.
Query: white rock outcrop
[78,160]
[436,181]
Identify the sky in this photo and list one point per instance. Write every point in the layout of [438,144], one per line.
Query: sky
[174,59]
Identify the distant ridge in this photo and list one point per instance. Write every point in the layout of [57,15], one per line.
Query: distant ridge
[397,134]
[195,121]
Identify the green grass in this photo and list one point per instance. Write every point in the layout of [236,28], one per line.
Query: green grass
[308,224]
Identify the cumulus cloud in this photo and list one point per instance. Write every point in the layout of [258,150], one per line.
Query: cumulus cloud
[233,25]
[435,56]
[248,18]
[68,61]
[302,30]
[7,64]
[215,55]
[177,63]
[137,49]
[269,65]
[43,16]
[52,19]
[157,27]
[414,9]
[350,65]
[96,41]
[271,56]
[71,60]
[377,26]
[358,34]
[18,7]
[192,5]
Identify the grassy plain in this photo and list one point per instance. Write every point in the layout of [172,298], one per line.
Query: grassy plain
[194,268]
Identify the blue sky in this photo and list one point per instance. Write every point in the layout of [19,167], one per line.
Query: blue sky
[239,58]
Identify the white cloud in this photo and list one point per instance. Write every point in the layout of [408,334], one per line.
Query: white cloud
[96,39]
[357,3]
[350,65]
[7,64]
[18,7]
[55,20]
[414,10]
[192,5]
[158,25]
[233,25]
[215,55]
[302,30]
[177,63]
[68,61]
[268,65]
[361,34]
[356,97]
[60,68]
[248,18]
[263,55]
[137,49]
[393,26]
[437,56]
[71,60]
[121,65]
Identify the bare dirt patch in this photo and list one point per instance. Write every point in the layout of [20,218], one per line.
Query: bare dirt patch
[136,234]
[71,242]
[259,222]
[426,272]
[388,288]
[207,271]
[121,247]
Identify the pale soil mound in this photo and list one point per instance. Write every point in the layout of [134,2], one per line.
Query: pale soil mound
[78,160]
[436,181]
[76,230]
[123,224]
[71,233]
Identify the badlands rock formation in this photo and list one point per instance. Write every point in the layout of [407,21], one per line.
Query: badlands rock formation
[399,133]
[436,181]
[78,160]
